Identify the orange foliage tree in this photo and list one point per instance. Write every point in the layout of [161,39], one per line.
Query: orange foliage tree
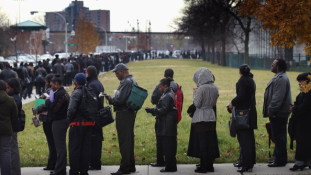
[289,22]
[86,36]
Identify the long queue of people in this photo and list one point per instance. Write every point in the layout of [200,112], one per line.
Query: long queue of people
[61,111]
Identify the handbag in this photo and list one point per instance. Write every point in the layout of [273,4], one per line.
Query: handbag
[241,119]
[232,127]
[104,117]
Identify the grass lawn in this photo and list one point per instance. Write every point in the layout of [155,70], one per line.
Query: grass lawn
[33,145]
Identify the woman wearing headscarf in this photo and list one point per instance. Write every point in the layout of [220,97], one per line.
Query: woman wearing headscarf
[8,112]
[244,100]
[47,125]
[13,88]
[301,111]
[204,119]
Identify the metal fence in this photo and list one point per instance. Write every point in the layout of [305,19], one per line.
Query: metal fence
[300,62]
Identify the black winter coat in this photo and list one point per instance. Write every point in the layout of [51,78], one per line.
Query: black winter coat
[58,109]
[97,87]
[245,96]
[302,116]
[16,123]
[165,112]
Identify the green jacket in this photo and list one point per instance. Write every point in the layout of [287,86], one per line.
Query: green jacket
[8,111]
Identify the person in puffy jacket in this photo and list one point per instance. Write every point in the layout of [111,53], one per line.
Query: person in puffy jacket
[166,125]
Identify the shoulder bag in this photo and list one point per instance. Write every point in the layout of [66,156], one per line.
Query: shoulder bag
[104,117]
[242,117]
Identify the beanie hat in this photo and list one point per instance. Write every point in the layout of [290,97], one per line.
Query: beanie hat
[80,78]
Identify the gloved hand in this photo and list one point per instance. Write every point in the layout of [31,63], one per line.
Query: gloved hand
[148,110]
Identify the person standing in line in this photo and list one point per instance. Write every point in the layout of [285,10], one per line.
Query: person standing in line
[47,125]
[69,73]
[301,113]
[8,112]
[156,95]
[125,119]
[277,102]
[57,106]
[40,75]
[13,88]
[245,99]
[80,129]
[166,126]
[59,69]
[204,119]
[97,132]
[7,72]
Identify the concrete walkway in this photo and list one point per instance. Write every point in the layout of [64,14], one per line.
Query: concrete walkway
[185,169]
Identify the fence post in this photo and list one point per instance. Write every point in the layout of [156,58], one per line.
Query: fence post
[299,61]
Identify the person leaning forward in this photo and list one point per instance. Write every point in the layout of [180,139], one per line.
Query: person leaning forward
[125,119]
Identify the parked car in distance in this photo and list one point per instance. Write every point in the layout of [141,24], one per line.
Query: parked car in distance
[46,56]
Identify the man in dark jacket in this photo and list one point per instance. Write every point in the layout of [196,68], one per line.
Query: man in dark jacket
[97,133]
[125,119]
[80,130]
[277,101]
[7,72]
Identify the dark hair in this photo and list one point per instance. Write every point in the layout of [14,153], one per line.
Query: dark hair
[304,76]
[57,78]
[166,81]
[169,73]
[15,84]
[281,65]
[2,85]
[91,70]
[245,70]
[6,65]
[49,77]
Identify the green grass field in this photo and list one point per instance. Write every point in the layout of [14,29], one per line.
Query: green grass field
[33,145]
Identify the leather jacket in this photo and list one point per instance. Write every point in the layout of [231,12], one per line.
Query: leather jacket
[165,112]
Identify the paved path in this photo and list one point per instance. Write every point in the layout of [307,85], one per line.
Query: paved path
[185,169]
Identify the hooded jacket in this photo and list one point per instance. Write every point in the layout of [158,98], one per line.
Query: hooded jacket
[156,94]
[205,97]
[8,112]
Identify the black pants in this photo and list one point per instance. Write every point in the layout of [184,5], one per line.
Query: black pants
[160,152]
[47,128]
[279,133]
[246,140]
[96,147]
[169,146]
[59,129]
[125,127]
[205,149]
[79,149]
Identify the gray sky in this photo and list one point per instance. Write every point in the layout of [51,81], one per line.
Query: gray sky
[159,12]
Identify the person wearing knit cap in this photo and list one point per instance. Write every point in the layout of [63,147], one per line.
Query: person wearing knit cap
[80,131]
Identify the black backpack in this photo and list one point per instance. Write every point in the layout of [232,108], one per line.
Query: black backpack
[89,104]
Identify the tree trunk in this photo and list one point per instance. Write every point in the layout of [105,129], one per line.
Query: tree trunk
[213,53]
[203,51]
[246,48]
[223,49]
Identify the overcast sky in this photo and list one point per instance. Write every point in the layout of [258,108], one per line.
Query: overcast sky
[159,12]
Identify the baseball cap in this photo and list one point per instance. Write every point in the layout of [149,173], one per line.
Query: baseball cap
[119,66]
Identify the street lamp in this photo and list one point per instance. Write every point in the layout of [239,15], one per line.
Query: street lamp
[105,33]
[66,39]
